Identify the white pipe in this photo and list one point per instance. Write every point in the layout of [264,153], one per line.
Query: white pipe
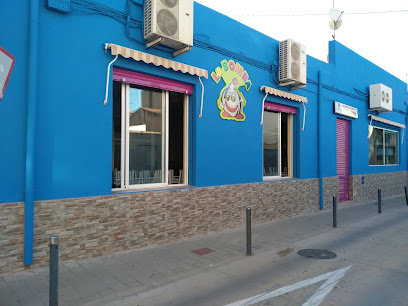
[105,102]
[263,106]
[304,116]
[202,98]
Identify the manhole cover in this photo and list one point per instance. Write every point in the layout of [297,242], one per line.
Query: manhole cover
[316,254]
[203,251]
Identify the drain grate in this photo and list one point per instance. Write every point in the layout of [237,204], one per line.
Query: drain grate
[203,251]
[317,254]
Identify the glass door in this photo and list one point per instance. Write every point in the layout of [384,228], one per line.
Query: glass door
[150,136]
[271,144]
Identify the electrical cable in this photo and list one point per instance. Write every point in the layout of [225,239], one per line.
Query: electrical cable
[317,14]
[90,7]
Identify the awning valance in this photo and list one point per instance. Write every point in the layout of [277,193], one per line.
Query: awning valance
[283,94]
[156,60]
[379,119]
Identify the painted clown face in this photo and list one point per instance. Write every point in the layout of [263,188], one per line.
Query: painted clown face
[231,102]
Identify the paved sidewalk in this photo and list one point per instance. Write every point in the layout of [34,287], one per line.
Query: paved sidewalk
[90,281]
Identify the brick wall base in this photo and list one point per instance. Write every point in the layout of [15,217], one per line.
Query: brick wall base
[330,188]
[391,184]
[95,226]
[90,227]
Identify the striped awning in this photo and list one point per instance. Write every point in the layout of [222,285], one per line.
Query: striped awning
[155,60]
[389,122]
[283,94]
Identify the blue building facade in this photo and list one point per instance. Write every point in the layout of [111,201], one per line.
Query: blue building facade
[75,165]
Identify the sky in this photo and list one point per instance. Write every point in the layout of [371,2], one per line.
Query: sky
[381,38]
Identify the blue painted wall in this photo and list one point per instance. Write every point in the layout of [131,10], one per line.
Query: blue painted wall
[74,128]
[14,38]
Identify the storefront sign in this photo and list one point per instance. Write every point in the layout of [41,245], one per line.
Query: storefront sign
[231,101]
[6,66]
[345,110]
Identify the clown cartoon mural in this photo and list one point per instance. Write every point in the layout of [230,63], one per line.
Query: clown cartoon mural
[231,101]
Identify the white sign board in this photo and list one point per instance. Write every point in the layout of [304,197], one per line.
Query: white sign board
[345,110]
[6,66]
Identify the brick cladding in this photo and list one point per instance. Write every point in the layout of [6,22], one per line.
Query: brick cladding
[90,227]
[391,184]
[330,188]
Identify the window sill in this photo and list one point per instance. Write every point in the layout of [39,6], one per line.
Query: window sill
[147,189]
[278,178]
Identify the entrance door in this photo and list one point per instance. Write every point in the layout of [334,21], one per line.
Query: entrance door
[343,165]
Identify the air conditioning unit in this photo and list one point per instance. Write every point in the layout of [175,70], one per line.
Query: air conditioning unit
[169,22]
[380,98]
[292,63]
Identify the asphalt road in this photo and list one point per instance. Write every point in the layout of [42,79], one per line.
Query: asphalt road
[371,268]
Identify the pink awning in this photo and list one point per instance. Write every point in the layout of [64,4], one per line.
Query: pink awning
[156,60]
[283,94]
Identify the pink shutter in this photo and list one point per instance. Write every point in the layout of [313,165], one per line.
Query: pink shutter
[148,80]
[279,108]
[343,160]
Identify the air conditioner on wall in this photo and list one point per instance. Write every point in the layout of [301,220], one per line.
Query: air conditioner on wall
[292,63]
[380,98]
[169,23]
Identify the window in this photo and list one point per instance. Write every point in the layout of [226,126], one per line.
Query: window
[277,144]
[149,145]
[383,147]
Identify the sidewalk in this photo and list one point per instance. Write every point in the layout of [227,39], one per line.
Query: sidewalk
[141,270]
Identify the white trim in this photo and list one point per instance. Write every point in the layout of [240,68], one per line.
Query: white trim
[126,160]
[165,144]
[186,133]
[290,144]
[122,136]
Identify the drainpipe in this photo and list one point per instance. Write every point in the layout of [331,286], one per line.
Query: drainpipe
[319,139]
[31,126]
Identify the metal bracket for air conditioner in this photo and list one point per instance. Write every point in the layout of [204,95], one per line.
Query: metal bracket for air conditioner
[298,87]
[287,83]
[181,51]
[154,42]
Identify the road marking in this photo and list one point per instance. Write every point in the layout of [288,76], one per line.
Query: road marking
[332,278]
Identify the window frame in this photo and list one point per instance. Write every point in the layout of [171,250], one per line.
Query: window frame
[383,148]
[290,130]
[124,167]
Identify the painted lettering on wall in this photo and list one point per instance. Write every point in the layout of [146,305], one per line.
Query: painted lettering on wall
[231,101]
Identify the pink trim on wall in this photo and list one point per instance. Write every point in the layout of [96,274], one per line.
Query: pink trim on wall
[343,159]
[147,80]
[279,108]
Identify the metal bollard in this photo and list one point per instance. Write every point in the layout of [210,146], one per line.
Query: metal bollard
[406,195]
[54,246]
[334,211]
[248,230]
[379,200]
